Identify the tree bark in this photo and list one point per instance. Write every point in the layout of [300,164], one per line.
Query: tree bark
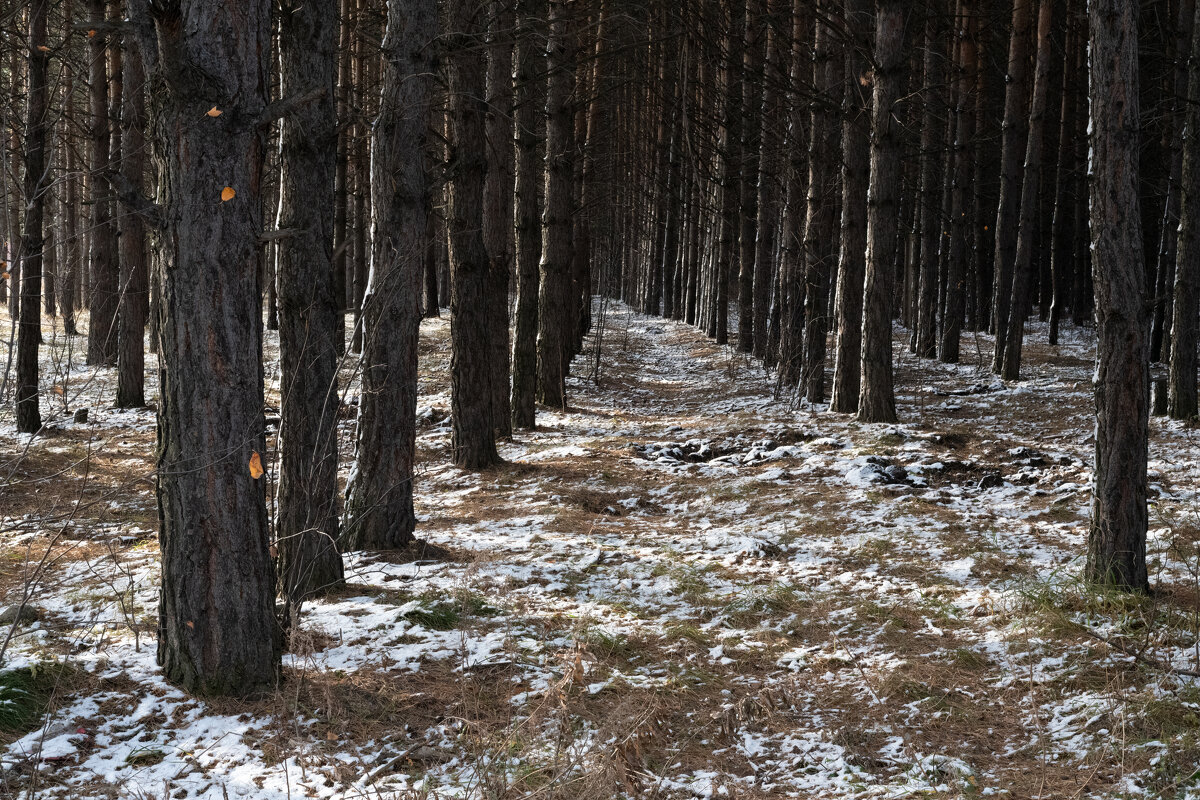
[1016,127]
[1181,382]
[554,301]
[307,523]
[105,287]
[35,190]
[472,437]
[217,632]
[498,205]
[528,101]
[134,298]
[379,507]
[856,146]
[876,399]
[1117,540]
[1022,278]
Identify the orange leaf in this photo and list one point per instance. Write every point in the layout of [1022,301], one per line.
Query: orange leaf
[58,390]
[92,33]
[43,48]
[5,276]
[213,112]
[190,624]
[227,194]
[256,467]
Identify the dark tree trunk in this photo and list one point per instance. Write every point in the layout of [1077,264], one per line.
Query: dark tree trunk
[752,93]
[379,505]
[963,162]
[528,101]
[472,438]
[69,265]
[1023,266]
[105,278]
[766,241]
[555,315]
[1181,386]
[1117,540]
[134,299]
[856,145]
[820,229]
[307,519]
[1066,183]
[37,122]
[877,399]
[932,127]
[217,631]
[498,206]
[1016,127]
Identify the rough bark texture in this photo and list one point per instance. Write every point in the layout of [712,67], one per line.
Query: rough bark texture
[472,439]
[530,172]
[217,630]
[766,237]
[379,507]
[932,127]
[856,145]
[1181,382]
[1023,266]
[554,301]
[1117,540]
[307,522]
[29,336]
[961,191]
[1016,127]
[876,398]
[104,288]
[134,298]
[498,205]
[820,230]
[748,206]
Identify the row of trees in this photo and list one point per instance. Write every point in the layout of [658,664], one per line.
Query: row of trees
[777,172]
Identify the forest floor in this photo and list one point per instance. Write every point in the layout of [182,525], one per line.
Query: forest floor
[678,587]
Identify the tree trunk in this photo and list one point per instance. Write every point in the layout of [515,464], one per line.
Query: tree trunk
[37,121]
[963,162]
[1016,127]
[930,215]
[820,229]
[472,438]
[856,145]
[498,205]
[554,301]
[1117,540]
[876,399]
[217,630]
[1181,386]
[307,523]
[752,93]
[528,102]
[134,300]
[105,278]
[379,506]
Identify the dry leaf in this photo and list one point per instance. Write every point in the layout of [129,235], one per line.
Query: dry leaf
[191,625]
[274,551]
[5,276]
[256,467]
[227,194]
[92,33]
[58,390]
[43,48]
[331,737]
[213,112]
